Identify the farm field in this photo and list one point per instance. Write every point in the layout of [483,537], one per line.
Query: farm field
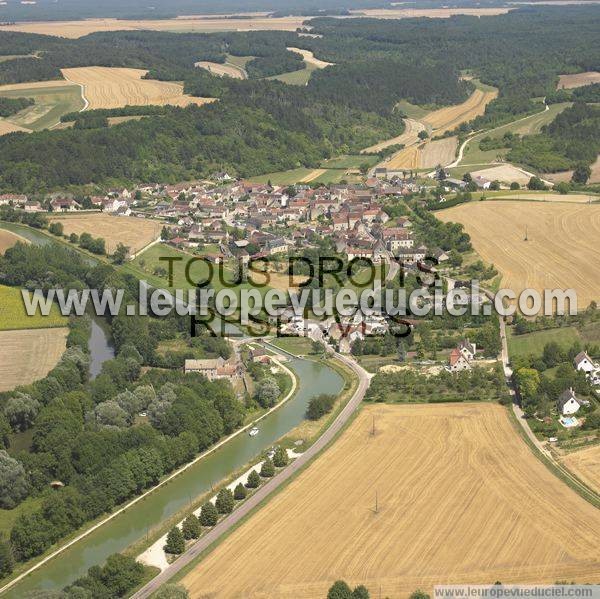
[308,175]
[460,498]
[136,233]
[578,80]
[13,315]
[439,151]
[52,100]
[407,158]
[566,175]
[447,119]
[309,58]
[505,173]
[28,355]
[7,127]
[536,196]
[410,136]
[222,70]
[111,87]
[585,464]
[299,77]
[520,346]
[560,251]
[8,239]
[526,126]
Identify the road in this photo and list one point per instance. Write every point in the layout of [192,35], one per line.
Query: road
[268,488]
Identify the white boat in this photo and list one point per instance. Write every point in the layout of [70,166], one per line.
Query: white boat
[253,432]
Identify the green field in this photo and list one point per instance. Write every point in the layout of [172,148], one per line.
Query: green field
[300,77]
[14,317]
[350,161]
[50,104]
[412,111]
[520,346]
[300,346]
[527,126]
[284,177]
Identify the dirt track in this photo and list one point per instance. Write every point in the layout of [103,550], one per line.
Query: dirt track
[460,498]
[410,136]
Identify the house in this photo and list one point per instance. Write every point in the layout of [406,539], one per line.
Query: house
[568,403]
[467,349]
[260,355]
[32,206]
[457,361]
[12,199]
[481,182]
[64,205]
[583,362]
[212,369]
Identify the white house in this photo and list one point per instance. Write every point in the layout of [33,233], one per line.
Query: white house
[569,403]
[467,349]
[584,362]
[457,361]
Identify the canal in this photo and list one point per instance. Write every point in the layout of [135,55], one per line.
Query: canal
[314,378]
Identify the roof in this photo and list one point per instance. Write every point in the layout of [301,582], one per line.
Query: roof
[207,364]
[455,356]
[580,357]
[565,397]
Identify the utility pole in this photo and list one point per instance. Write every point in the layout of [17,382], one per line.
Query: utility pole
[373,427]
[526,236]
[376,503]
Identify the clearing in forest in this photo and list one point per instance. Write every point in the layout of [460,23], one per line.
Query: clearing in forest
[222,69]
[111,87]
[439,494]
[578,80]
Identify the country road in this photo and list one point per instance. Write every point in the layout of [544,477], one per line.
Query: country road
[267,489]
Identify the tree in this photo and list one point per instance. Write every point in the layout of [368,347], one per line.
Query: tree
[110,413]
[267,392]
[20,411]
[120,254]
[467,178]
[592,421]
[172,591]
[280,459]
[514,186]
[339,590]
[208,514]
[423,134]
[360,592]
[56,229]
[240,492]
[7,560]
[253,481]
[495,185]
[225,502]
[267,470]
[175,542]
[581,174]
[563,188]
[418,594]
[191,528]
[319,406]
[535,183]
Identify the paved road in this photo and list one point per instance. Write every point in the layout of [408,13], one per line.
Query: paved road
[263,492]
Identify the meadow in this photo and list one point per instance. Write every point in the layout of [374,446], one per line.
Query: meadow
[14,317]
[459,497]
[560,250]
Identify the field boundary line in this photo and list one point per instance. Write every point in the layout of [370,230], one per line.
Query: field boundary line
[135,500]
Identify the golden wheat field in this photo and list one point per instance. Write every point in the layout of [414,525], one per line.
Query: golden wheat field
[8,239]
[460,499]
[578,80]
[562,246]
[310,58]
[8,127]
[439,151]
[136,233]
[111,87]
[410,136]
[407,158]
[447,119]
[29,355]
[586,465]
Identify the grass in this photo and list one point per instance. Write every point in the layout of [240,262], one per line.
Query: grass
[300,346]
[8,517]
[284,177]
[349,161]
[300,77]
[533,343]
[50,104]
[412,111]
[13,315]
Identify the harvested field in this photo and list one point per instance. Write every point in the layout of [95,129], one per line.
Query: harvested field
[309,58]
[136,233]
[447,119]
[433,13]
[561,250]
[8,239]
[585,464]
[461,499]
[29,355]
[222,70]
[75,29]
[506,173]
[410,136]
[109,87]
[595,178]
[578,80]
[8,127]
[439,151]
[548,196]
[408,158]
[315,174]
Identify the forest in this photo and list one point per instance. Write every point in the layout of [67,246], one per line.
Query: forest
[88,434]
[259,125]
[10,106]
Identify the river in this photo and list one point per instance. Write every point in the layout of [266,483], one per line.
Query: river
[313,377]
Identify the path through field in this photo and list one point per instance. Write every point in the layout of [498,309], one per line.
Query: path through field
[111,87]
[561,250]
[460,498]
